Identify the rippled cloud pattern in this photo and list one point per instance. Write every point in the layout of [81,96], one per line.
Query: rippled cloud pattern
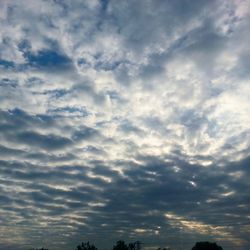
[124,120]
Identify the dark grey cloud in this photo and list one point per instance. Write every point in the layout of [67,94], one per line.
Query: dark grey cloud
[84,133]
[49,142]
[165,18]
[18,125]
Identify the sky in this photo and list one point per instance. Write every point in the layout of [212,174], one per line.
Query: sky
[124,119]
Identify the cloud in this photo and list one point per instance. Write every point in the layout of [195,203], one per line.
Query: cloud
[115,114]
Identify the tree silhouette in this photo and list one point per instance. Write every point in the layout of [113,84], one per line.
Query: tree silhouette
[86,246]
[131,246]
[39,249]
[120,245]
[206,246]
[135,245]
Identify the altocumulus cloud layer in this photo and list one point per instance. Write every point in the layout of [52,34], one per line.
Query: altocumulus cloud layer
[124,119]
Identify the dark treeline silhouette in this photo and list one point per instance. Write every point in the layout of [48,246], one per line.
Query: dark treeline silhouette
[121,245]
[86,246]
[165,248]
[206,246]
[39,249]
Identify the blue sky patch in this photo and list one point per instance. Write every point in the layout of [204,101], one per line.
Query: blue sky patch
[6,64]
[48,59]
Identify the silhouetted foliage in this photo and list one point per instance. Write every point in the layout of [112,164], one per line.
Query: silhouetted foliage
[206,246]
[39,248]
[86,246]
[131,246]
[135,245]
[120,245]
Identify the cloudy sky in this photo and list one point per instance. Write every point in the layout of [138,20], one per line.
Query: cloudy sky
[124,119]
